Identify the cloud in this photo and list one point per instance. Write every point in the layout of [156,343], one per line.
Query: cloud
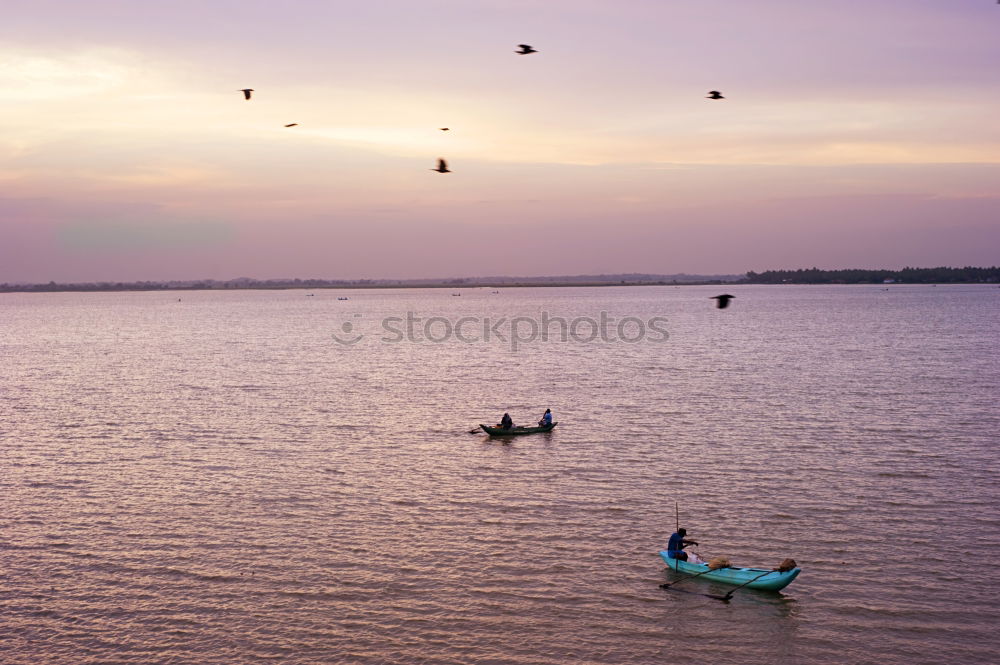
[29,77]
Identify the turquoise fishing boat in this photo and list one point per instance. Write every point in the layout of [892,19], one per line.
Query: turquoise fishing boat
[752,578]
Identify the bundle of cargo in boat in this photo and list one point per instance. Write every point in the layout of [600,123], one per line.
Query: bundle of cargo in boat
[786,565]
[719,562]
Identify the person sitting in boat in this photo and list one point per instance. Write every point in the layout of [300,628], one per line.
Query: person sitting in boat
[506,422]
[677,543]
[546,419]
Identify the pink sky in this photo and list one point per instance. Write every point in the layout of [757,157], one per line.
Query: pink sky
[858,133]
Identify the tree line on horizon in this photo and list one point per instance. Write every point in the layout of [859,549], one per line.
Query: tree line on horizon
[941,275]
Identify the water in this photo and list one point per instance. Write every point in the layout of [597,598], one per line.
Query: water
[217,480]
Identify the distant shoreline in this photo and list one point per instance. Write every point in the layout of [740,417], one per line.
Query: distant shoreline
[940,275]
[73,288]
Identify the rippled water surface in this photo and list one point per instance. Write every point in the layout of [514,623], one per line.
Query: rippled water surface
[217,480]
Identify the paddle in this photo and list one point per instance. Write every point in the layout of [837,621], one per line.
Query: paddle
[729,595]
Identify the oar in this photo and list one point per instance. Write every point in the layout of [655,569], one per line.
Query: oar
[729,595]
[476,431]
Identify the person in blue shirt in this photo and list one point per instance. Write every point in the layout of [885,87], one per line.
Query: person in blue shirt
[546,419]
[677,543]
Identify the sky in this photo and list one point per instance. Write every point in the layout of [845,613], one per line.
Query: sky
[855,133]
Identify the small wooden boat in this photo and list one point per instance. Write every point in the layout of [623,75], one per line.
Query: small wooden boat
[754,578]
[516,431]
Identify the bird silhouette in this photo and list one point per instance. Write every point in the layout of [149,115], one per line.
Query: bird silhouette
[443,129]
[714,94]
[723,300]
[246,92]
[292,124]
[442,167]
[525,49]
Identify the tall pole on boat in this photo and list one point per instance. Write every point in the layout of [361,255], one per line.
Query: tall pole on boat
[677,515]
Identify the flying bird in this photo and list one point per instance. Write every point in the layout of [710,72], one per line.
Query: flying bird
[442,167]
[292,124]
[714,94]
[246,92]
[443,129]
[723,300]
[525,49]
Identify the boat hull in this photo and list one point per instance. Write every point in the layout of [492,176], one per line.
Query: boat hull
[516,431]
[771,581]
